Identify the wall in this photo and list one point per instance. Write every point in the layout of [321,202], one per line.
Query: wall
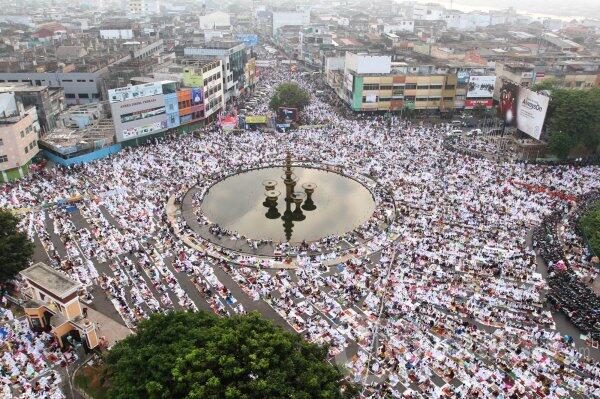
[102,153]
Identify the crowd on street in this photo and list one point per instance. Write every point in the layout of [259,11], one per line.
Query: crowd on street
[447,301]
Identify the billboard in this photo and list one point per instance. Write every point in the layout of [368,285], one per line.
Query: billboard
[531,112]
[197,97]
[481,86]
[138,116]
[508,103]
[143,130]
[287,115]
[133,92]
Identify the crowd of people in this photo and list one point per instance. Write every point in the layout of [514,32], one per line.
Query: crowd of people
[28,359]
[448,302]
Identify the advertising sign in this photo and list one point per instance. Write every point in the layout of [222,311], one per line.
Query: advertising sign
[185,118]
[132,92]
[256,118]
[481,87]
[144,130]
[349,82]
[287,115]
[197,97]
[146,113]
[479,103]
[531,112]
[508,103]
[462,78]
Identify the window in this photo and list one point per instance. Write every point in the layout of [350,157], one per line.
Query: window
[84,95]
[409,98]
[1,142]
[371,87]
[3,158]
[410,86]
[435,87]
[421,98]
[449,87]
[32,145]
[67,80]
[69,95]
[448,98]
[385,98]
[95,95]
[81,80]
[422,87]
[26,149]
[22,133]
[385,87]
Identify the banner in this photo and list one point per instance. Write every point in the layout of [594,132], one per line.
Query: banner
[196,96]
[508,103]
[228,122]
[462,77]
[476,103]
[144,130]
[256,118]
[531,112]
[481,87]
[132,92]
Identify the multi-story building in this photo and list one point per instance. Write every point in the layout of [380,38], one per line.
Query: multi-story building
[49,102]
[233,58]
[520,73]
[79,87]
[374,83]
[145,110]
[144,7]
[53,305]
[297,17]
[313,39]
[19,133]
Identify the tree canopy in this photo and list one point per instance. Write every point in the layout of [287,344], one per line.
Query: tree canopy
[15,248]
[197,355]
[289,95]
[573,120]
[590,225]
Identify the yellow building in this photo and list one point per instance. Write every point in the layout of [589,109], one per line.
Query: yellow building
[53,305]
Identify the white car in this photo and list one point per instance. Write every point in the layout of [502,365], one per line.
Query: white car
[474,132]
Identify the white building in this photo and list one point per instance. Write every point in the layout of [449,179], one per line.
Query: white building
[116,33]
[299,17]
[399,26]
[216,20]
[144,7]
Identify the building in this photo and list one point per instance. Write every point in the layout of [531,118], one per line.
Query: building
[520,73]
[79,87]
[49,102]
[144,7]
[233,58]
[216,20]
[298,17]
[19,133]
[53,306]
[116,32]
[144,110]
[313,40]
[375,83]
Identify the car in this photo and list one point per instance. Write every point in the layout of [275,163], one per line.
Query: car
[474,132]
[456,132]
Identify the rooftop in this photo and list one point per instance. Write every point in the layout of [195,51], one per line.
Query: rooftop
[50,279]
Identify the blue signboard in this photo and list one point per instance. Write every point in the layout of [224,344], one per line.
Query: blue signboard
[250,40]
[186,118]
[463,77]
[196,96]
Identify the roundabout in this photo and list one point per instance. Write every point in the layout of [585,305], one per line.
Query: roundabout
[313,208]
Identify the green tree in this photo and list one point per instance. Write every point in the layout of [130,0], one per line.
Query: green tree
[289,95]
[561,144]
[15,247]
[576,112]
[198,355]
[590,225]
